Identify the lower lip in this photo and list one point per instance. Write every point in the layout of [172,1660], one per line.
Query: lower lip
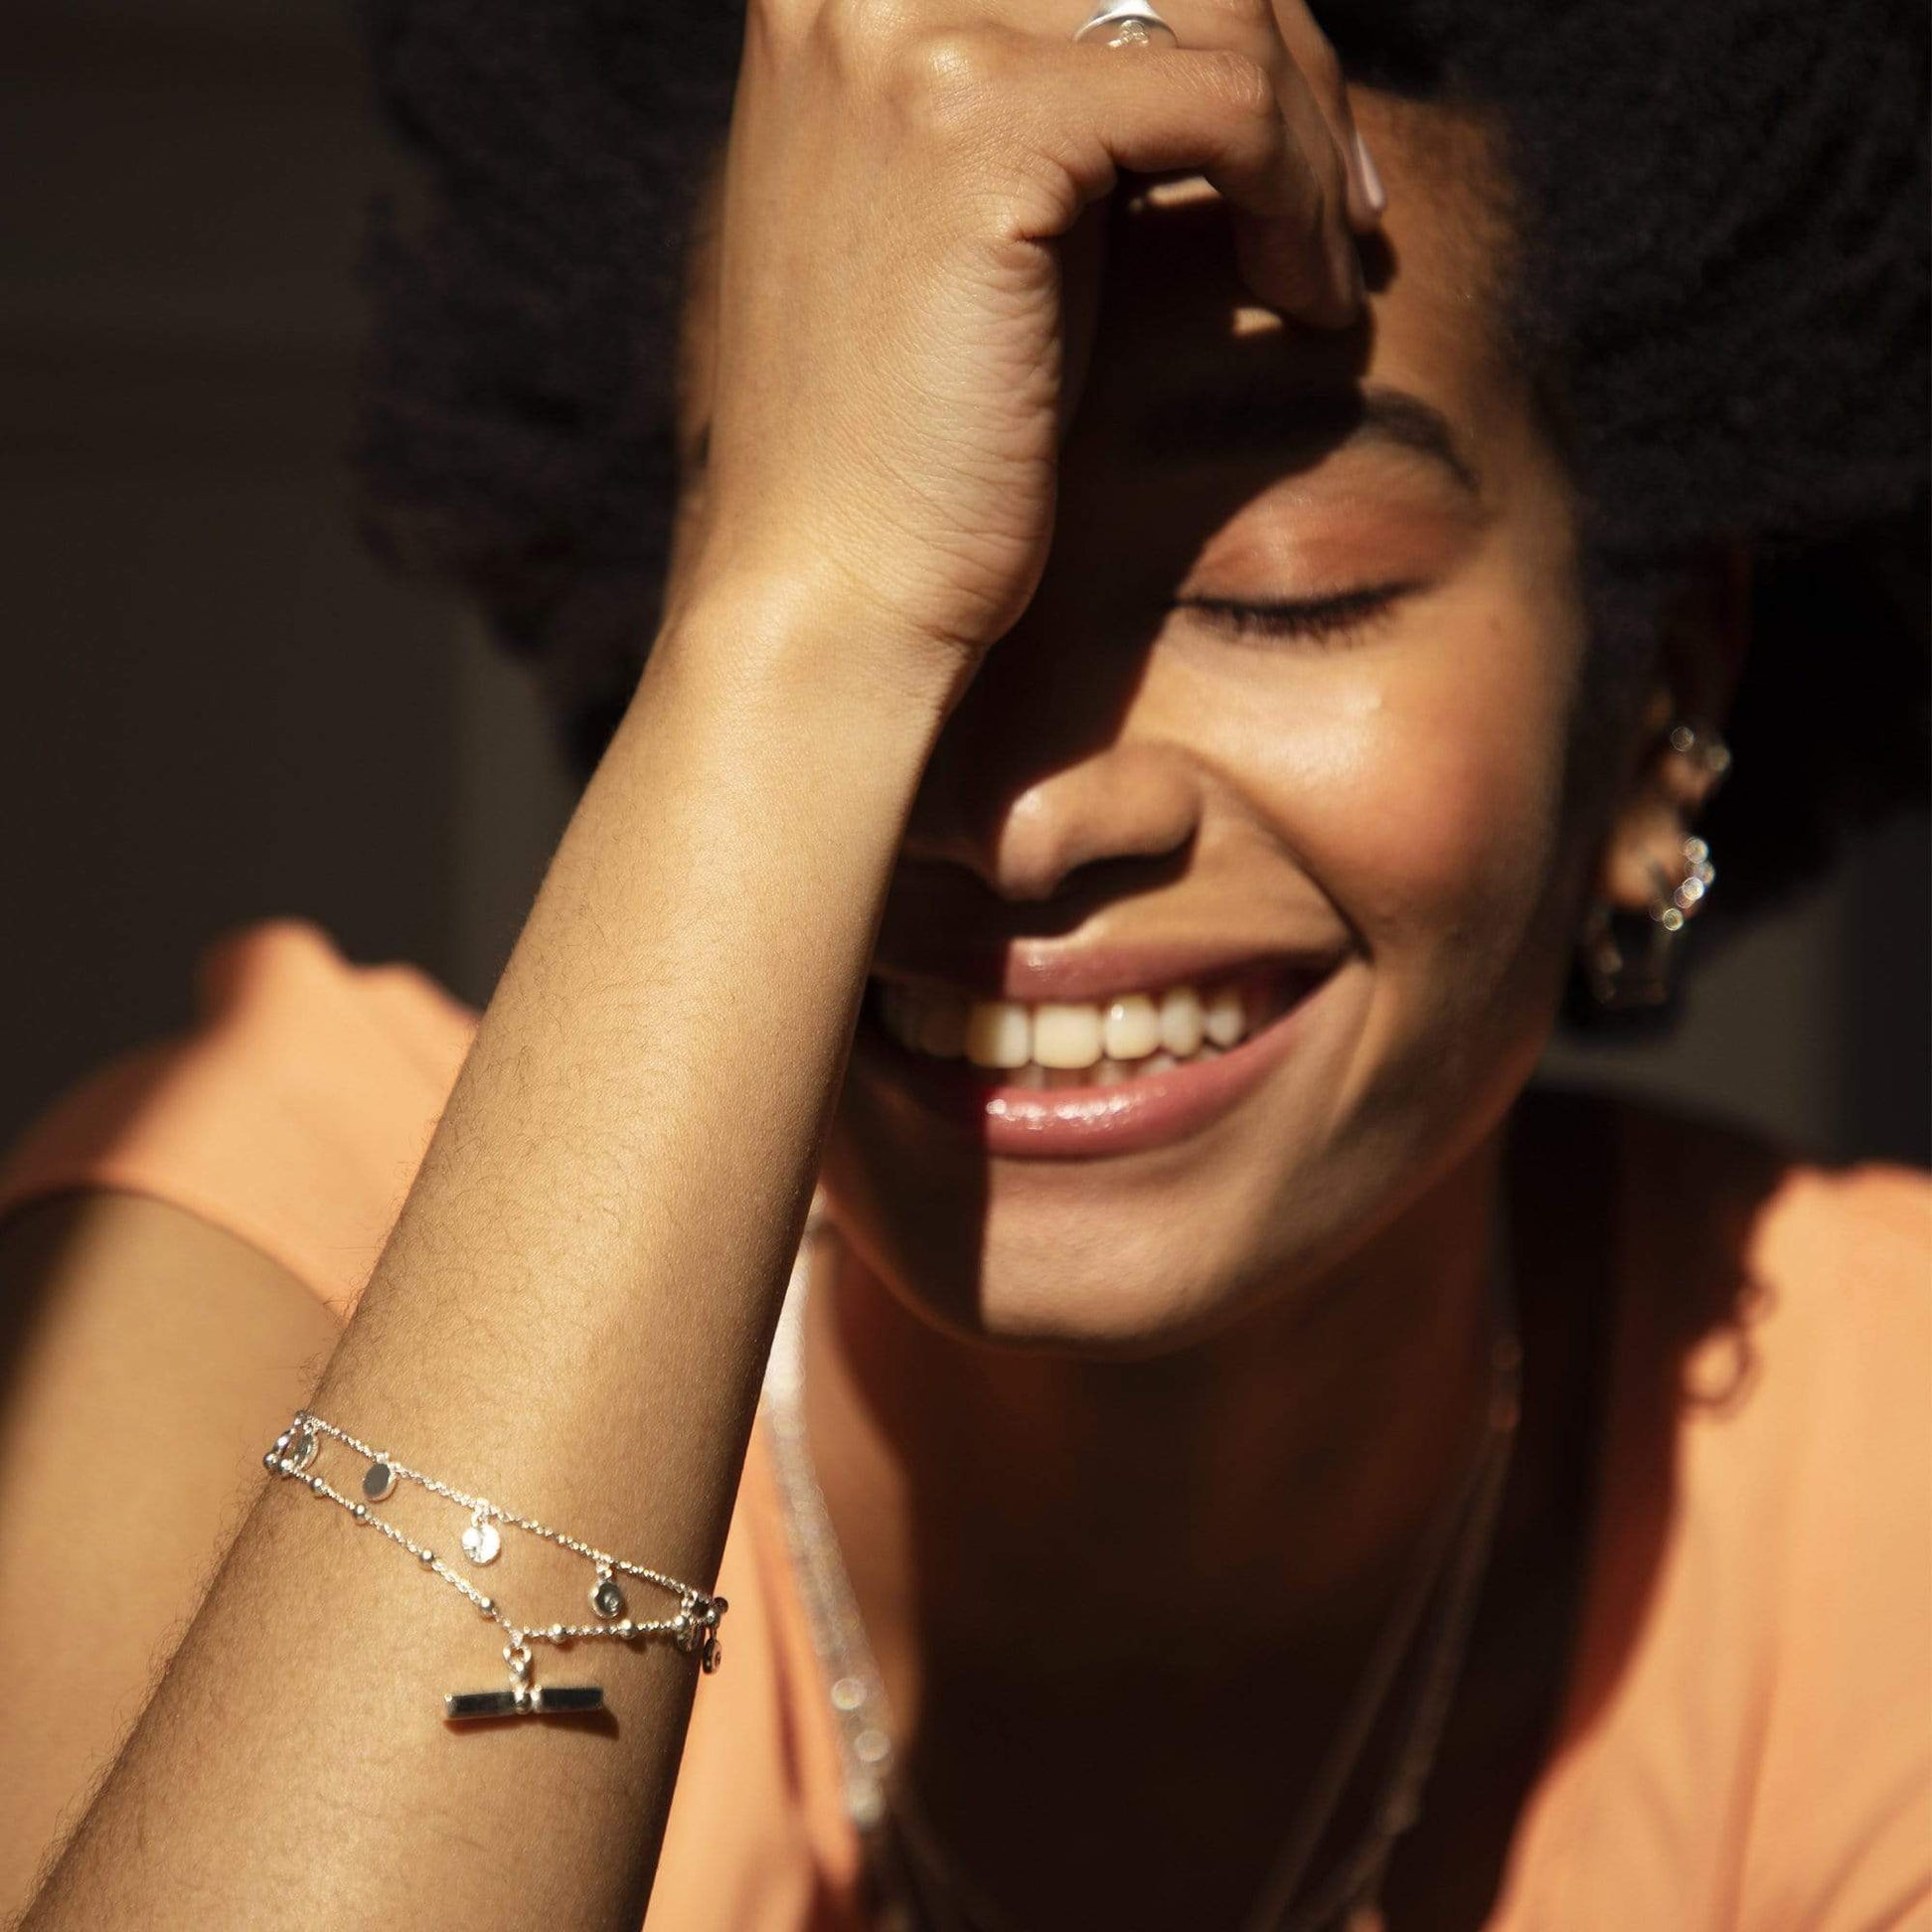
[1031,1123]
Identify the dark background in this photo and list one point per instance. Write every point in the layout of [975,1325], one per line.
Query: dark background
[217,707]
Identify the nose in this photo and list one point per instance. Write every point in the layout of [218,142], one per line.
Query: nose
[1039,773]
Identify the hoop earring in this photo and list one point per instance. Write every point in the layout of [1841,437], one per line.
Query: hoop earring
[1631,972]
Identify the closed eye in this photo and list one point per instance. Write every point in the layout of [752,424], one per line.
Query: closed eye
[1315,619]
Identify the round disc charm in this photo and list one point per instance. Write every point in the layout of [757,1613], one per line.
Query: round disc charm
[481,1541]
[379,1482]
[607,1599]
[301,1448]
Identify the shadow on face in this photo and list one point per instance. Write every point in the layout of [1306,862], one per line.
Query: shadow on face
[1291,709]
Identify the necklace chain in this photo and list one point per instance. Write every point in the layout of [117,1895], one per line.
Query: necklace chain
[918,1881]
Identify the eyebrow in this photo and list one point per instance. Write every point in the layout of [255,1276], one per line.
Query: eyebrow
[1261,419]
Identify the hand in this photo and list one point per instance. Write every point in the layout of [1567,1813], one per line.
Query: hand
[888,379]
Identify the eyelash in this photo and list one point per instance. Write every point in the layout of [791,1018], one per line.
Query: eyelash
[1318,620]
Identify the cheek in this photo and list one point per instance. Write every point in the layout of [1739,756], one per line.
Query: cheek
[1451,826]
[1416,777]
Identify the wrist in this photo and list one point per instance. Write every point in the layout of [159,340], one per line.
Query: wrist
[794,653]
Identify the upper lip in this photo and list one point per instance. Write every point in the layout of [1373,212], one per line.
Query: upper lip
[1032,971]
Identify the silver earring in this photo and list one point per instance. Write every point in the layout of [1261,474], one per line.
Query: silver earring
[1706,745]
[1632,971]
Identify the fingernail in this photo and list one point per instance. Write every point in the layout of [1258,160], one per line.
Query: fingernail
[1371,181]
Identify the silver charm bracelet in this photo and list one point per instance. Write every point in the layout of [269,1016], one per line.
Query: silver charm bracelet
[692,1628]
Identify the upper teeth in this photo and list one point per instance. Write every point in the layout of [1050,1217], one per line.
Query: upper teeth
[1060,1034]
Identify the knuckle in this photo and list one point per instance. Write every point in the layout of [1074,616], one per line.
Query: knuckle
[859,23]
[1240,84]
[777,28]
[942,79]
[1250,17]
[863,41]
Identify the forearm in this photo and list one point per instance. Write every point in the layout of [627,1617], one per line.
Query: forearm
[572,1318]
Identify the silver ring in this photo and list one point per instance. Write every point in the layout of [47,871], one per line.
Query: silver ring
[1127,23]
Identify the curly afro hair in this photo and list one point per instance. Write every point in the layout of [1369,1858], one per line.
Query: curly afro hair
[1722,215]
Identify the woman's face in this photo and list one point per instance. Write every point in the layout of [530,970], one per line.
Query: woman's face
[1353,814]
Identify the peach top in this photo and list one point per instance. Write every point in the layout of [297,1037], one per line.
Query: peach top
[1746,1741]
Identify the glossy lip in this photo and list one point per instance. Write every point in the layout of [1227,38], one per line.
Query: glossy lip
[1029,1123]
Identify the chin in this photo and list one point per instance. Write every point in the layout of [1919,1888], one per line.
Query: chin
[1112,1263]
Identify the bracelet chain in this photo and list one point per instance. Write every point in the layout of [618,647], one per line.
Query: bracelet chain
[692,1626]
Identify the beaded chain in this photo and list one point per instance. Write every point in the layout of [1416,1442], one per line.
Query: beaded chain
[692,1626]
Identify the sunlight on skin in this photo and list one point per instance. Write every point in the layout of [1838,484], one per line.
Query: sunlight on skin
[1391,795]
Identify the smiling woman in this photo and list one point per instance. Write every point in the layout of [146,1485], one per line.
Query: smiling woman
[1198,604]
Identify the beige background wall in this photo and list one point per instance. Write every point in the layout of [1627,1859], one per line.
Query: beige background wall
[215,705]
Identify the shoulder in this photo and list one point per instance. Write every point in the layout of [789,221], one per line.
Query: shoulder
[1785,1282]
[1761,1645]
[1787,1305]
[1840,1264]
[1759,1288]
[292,1110]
